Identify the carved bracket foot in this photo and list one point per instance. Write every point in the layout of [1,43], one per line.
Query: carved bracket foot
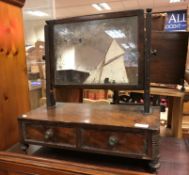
[154,165]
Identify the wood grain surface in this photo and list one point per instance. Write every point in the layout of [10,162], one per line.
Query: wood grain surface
[124,142]
[168,65]
[94,114]
[14,98]
[59,135]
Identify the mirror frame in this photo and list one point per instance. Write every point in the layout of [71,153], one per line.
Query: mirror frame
[50,50]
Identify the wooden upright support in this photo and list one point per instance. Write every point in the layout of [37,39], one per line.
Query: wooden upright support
[147,61]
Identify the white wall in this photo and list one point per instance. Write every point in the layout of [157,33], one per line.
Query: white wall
[34,31]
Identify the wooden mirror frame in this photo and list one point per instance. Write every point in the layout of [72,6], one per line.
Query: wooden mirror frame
[50,53]
[144,45]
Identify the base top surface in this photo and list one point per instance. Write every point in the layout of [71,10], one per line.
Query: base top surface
[94,114]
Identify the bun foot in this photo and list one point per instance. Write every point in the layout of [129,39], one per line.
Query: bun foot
[154,165]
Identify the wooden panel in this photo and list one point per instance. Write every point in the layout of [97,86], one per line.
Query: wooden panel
[50,134]
[65,135]
[121,142]
[13,82]
[35,132]
[168,66]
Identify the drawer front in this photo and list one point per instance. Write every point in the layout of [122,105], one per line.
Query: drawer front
[117,142]
[51,134]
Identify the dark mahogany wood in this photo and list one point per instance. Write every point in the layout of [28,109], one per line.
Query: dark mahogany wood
[147,60]
[94,114]
[49,74]
[114,141]
[168,65]
[45,133]
[19,3]
[102,129]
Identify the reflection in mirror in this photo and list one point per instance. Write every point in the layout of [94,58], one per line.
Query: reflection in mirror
[99,96]
[97,52]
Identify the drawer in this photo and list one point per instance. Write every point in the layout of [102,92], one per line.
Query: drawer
[112,141]
[50,134]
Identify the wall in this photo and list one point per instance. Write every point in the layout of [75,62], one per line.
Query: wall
[34,31]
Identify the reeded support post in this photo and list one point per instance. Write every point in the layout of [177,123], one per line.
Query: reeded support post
[147,61]
[49,87]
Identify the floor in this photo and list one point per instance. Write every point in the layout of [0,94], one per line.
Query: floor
[174,152]
[174,156]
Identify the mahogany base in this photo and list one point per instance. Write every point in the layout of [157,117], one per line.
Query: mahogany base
[114,130]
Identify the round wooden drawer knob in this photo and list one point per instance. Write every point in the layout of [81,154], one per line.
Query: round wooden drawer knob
[49,134]
[113,140]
